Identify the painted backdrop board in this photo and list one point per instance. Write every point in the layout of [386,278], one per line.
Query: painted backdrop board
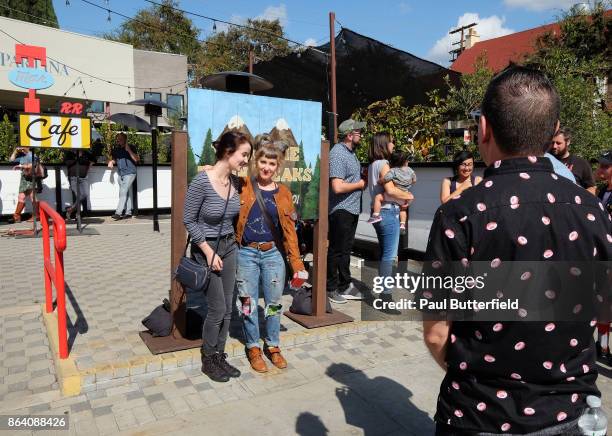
[296,122]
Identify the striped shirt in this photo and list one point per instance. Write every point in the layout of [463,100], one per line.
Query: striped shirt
[203,215]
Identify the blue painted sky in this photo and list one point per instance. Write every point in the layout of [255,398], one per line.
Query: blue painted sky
[415,26]
[214,110]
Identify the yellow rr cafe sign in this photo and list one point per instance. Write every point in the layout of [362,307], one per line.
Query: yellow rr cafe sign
[54,131]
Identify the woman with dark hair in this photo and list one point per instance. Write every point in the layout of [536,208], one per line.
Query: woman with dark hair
[266,237]
[388,225]
[211,204]
[463,176]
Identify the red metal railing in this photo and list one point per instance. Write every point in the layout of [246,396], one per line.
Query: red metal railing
[54,273]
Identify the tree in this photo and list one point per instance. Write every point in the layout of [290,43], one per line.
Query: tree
[413,129]
[161,28]
[229,50]
[8,139]
[463,99]
[577,61]
[33,11]
[310,205]
[192,168]
[208,152]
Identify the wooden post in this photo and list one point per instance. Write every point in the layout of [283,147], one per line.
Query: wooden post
[251,60]
[177,339]
[332,73]
[319,316]
[178,237]
[319,270]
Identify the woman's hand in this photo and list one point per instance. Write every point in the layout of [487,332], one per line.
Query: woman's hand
[216,264]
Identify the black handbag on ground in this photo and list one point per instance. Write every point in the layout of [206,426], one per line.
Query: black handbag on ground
[192,274]
[302,302]
[159,322]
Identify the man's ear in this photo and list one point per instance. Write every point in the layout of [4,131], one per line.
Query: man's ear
[485,129]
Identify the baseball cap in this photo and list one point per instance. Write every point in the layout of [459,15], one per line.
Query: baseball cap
[606,158]
[349,125]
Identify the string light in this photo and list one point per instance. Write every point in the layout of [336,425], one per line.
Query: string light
[67,2]
[214,26]
[108,19]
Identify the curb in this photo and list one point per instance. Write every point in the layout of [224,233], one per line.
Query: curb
[68,376]
[73,381]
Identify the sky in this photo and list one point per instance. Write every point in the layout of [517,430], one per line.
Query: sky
[418,27]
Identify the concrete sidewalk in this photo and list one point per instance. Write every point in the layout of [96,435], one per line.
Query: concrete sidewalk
[371,378]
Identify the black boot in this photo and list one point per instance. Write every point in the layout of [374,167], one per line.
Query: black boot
[231,371]
[211,368]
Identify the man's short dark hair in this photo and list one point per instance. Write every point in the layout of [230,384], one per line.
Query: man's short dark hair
[566,132]
[522,107]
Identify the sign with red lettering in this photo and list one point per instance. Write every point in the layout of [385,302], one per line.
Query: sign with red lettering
[70,108]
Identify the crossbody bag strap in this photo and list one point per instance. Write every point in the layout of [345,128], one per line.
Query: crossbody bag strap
[220,226]
[278,240]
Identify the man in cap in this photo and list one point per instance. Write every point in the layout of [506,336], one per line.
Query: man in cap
[346,186]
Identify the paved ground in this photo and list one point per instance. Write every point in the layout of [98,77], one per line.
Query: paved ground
[378,382]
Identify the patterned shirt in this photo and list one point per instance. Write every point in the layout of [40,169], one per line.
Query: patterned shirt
[343,164]
[256,228]
[519,376]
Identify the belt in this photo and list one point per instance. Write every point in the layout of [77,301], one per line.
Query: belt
[262,246]
[222,238]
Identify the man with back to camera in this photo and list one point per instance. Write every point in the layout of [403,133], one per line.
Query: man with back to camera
[578,166]
[515,377]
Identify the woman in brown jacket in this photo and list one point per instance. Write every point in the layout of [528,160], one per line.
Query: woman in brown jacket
[261,262]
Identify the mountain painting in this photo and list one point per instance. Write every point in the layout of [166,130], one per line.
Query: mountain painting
[297,123]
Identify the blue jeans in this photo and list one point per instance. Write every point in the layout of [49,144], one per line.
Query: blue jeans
[125,194]
[261,270]
[388,233]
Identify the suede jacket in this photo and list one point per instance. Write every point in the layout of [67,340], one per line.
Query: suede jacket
[287,218]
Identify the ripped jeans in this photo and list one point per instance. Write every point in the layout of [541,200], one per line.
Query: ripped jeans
[261,270]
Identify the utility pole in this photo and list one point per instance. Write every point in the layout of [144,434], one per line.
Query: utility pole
[456,52]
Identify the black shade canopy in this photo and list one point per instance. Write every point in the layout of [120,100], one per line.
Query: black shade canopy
[131,121]
[236,81]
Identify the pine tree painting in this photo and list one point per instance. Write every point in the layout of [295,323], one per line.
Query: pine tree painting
[208,152]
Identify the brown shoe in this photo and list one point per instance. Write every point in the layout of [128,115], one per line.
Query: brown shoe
[275,356]
[255,359]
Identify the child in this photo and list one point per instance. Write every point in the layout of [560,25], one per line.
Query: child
[403,177]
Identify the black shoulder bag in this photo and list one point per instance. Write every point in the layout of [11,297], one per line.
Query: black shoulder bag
[189,272]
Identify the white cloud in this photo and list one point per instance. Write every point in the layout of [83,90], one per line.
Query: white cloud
[540,5]
[310,42]
[275,13]
[404,7]
[487,28]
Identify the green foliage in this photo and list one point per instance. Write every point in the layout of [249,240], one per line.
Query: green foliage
[229,50]
[192,168]
[463,99]
[208,152]
[412,129]
[310,205]
[576,60]
[8,139]
[161,28]
[30,10]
